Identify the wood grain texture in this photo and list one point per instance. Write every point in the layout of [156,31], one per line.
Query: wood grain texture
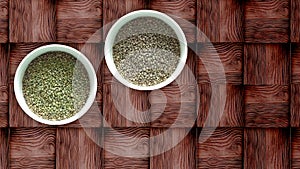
[267,106]
[4,149]
[134,142]
[295,67]
[79,148]
[295,148]
[295,105]
[114,9]
[176,103]
[266,148]
[182,155]
[3,65]
[183,11]
[233,112]
[266,21]
[220,21]
[32,21]
[124,107]
[4,21]
[295,21]
[223,149]
[266,64]
[32,148]
[212,56]
[79,21]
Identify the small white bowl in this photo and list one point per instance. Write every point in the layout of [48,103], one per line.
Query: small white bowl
[109,42]
[50,48]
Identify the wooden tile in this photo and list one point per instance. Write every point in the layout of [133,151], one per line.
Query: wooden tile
[266,64]
[32,21]
[295,54]
[3,85]
[124,107]
[267,106]
[3,21]
[223,149]
[182,155]
[220,21]
[126,148]
[3,65]
[266,148]
[113,10]
[4,148]
[232,114]
[32,148]
[79,148]
[79,21]
[295,148]
[295,21]
[267,21]
[183,11]
[215,60]
[295,105]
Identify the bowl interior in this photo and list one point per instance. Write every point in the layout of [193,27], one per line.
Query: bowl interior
[109,42]
[18,81]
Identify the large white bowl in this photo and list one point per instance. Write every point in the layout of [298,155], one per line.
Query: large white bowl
[109,42]
[36,53]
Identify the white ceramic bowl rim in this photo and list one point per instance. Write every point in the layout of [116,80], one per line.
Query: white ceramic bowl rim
[109,41]
[44,49]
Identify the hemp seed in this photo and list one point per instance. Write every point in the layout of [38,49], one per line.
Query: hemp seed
[146,51]
[55,86]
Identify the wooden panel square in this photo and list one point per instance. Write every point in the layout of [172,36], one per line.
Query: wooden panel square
[266,148]
[113,10]
[267,21]
[79,148]
[295,53]
[233,112]
[266,64]
[267,106]
[295,105]
[183,11]
[295,21]
[32,148]
[182,155]
[295,148]
[3,21]
[213,56]
[220,20]
[124,107]
[120,142]
[32,21]
[79,21]
[223,148]
[4,148]
[3,66]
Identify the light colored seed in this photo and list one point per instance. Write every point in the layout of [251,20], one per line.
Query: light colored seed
[146,51]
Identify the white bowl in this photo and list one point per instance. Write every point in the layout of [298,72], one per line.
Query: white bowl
[36,53]
[109,42]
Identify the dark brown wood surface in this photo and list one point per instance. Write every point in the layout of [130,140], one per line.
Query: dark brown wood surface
[255,42]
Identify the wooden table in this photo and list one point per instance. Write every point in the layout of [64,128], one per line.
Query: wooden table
[258,44]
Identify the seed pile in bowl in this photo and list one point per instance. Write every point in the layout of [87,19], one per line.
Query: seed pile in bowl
[146,51]
[55,86]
